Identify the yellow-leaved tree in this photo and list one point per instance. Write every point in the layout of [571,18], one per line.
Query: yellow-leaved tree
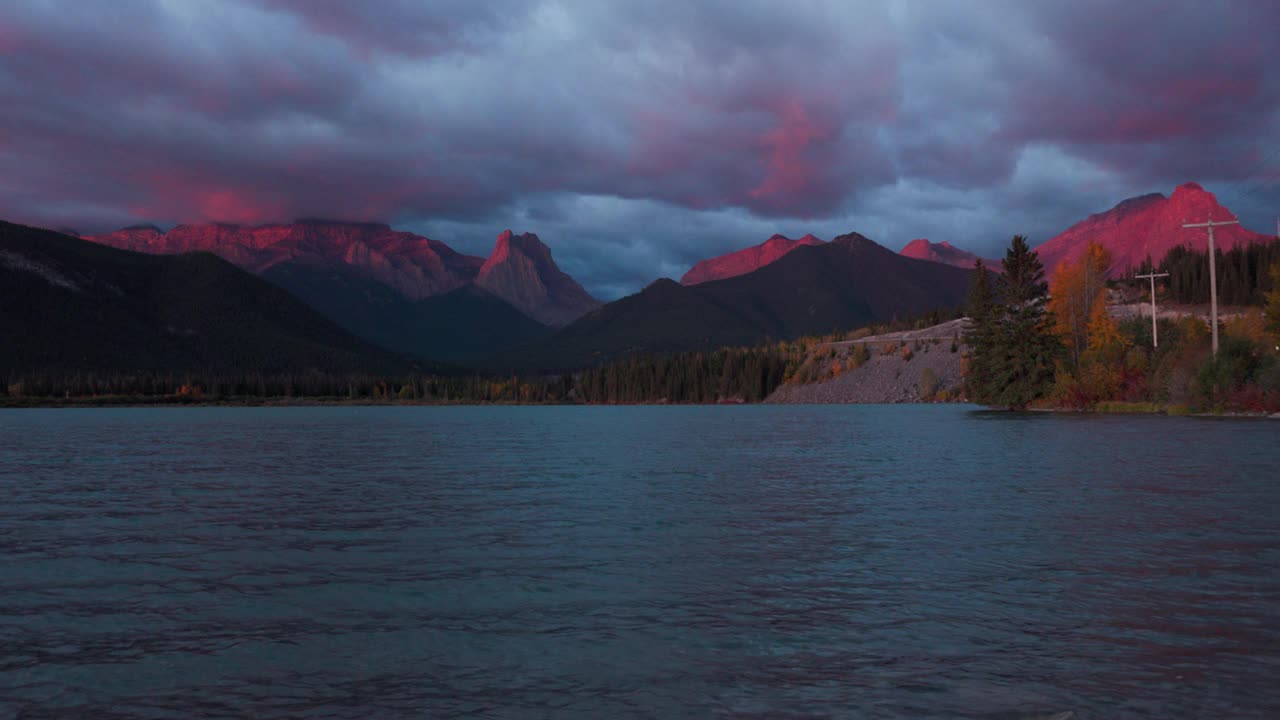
[1096,362]
[1076,291]
[1105,343]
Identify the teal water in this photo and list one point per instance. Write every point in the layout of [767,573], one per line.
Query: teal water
[615,562]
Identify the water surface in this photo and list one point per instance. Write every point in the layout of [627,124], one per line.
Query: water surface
[591,562]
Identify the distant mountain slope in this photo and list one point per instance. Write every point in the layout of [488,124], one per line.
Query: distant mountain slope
[943,252]
[743,261]
[458,326]
[846,283]
[415,266]
[71,305]
[1147,226]
[520,270]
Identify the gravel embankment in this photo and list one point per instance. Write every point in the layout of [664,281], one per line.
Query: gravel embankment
[885,378]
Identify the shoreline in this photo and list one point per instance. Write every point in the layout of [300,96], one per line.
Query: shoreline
[1117,409]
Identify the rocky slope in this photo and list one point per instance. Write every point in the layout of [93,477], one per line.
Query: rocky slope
[888,375]
[520,270]
[943,252]
[1147,226]
[746,260]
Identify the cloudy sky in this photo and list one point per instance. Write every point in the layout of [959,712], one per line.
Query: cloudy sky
[635,137]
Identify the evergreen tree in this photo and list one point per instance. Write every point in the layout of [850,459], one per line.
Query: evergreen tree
[1021,362]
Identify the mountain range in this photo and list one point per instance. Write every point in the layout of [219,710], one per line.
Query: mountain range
[403,291]
[516,309]
[811,289]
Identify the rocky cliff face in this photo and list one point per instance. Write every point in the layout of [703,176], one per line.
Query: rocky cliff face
[943,252]
[746,260]
[1147,226]
[520,270]
[415,266]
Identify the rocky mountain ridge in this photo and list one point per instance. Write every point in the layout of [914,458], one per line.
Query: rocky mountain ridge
[741,262]
[415,266]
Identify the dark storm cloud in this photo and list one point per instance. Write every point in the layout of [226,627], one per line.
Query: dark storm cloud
[635,138]
[403,27]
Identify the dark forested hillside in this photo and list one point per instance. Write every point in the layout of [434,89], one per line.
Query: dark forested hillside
[458,326]
[67,305]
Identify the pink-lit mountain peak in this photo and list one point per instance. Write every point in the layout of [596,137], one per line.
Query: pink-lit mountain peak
[746,260]
[521,271]
[526,244]
[1147,226]
[943,252]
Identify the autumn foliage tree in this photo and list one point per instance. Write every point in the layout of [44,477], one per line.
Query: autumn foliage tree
[1096,366]
[1076,293]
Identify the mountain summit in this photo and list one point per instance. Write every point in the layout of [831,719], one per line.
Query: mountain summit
[943,252]
[520,270]
[746,260]
[1147,226]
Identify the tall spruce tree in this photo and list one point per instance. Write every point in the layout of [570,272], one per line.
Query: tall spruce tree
[1024,372]
[1011,348]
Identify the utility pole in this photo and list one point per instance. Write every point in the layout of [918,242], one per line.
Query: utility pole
[1155,338]
[1213,272]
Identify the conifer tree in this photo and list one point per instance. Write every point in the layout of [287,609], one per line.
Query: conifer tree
[1026,373]
[1013,361]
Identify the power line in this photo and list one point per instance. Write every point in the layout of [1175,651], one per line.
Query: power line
[1155,336]
[1213,272]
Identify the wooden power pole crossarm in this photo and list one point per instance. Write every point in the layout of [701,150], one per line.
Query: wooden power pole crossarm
[1213,272]
[1155,337]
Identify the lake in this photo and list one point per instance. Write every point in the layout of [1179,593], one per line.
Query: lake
[617,562]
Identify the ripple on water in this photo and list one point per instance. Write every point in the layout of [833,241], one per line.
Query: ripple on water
[636,562]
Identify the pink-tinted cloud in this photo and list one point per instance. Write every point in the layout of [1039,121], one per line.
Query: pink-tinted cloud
[793,156]
[831,113]
[10,41]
